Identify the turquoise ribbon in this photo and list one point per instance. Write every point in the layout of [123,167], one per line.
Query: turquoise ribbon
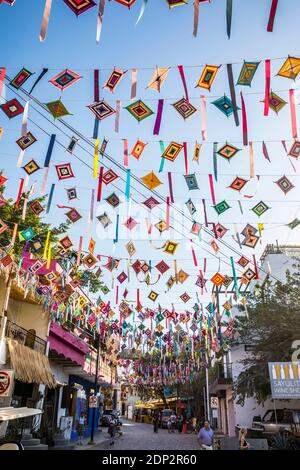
[127,192]
[162,162]
[234,278]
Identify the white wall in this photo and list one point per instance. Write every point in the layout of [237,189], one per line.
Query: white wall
[62,377]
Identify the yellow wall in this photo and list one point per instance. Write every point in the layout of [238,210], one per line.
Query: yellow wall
[26,315]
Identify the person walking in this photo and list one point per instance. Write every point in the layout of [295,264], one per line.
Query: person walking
[80,428]
[243,444]
[180,423]
[112,430]
[173,420]
[206,437]
[155,422]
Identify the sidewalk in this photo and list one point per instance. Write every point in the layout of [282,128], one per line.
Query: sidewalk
[99,438]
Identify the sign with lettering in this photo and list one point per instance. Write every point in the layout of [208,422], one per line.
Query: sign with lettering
[285,379]
[6,382]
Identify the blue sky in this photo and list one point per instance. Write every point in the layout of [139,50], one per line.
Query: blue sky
[162,38]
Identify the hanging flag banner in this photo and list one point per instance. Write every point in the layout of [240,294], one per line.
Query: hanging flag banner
[162,160]
[212,191]
[265,152]
[232,94]
[251,160]
[170,186]
[228,17]
[181,71]
[125,144]
[96,159]
[45,20]
[244,119]
[267,86]
[168,214]
[127,192]
[117,119]
[50,198]
[43,72]
[186,163]
[215,160]
[100,184]
[158,117]
[293,113]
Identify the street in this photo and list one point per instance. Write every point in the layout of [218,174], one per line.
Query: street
[138,436]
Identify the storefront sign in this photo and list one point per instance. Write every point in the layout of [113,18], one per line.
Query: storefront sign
[6,382]
[285,379]
[214,402]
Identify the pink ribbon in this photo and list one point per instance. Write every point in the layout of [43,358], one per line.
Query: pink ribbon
[196,17]
[194,254]
[125,152]
[157,124]
[181,71]
[244,119]
[2,77]
[117,121]
[168,214]
[133,83]
[293,113]
[265,152]
[186,163]
[45,20]
[212,190]
[170,186]
[267,87]
[203,117]
[272,16]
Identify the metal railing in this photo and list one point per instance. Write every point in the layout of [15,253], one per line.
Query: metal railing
[224,371]
[25,337]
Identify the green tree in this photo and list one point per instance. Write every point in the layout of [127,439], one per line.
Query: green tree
[271,327]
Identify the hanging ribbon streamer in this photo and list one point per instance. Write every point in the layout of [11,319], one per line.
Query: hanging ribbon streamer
[43,72]
[79,250]
[175,271]
[133,83]
[100,184]
[20,158]
[244,119]
[265,152]
[194,254]
[14,235]
[234,278]
[272,16]
[186,163]
[2,77]
[138,304]
[238,236]
[100,19]
[162,160]
[117,230]
[19,193]
[267,87]
[205,214]
[125,144]
[293,113]
[232,94]
[212,190]
[196,17]
[50,150]
[229,17]
[157,124]
[92,205]
[96,99]
[203,117]
[284,146]
[197,153]
[251,160]
[181,71]
[144,4]
[241,208]
[96,159]
[215,160]
[204,265]
[44,182]
[117,303]
[168,214]
[170,186]
[25,119]
[45,20]
[46,245]
[127,192]
[50,198]
[49,256]
[255,268]
[117,119]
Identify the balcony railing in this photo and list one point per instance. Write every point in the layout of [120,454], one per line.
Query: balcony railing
[26,337]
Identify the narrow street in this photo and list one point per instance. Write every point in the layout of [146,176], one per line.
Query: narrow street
[138,436]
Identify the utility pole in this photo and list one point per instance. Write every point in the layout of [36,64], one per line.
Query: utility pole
[207,395]
[95,388]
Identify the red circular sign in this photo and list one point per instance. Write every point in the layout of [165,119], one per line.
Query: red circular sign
[4,382]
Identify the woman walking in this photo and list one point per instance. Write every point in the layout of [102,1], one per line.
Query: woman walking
[243,444]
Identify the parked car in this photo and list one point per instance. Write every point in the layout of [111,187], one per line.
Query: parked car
[106,417]
[285,420]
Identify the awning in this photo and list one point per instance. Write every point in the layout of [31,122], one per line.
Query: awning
[8,413]
[29,365]
[67,344]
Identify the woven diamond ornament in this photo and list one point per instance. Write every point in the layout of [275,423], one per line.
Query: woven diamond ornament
[113,200]
[221,207]
[159,76]
[65,79]
[113,80]
[130,223]
[295,149]
[260,208]
[184,108]
[170,247]
[172,151]
[153,296]
[12,108]
[250,241]
[101,110]
[139,110]
[79,6]
[243,261]
[36,207]
[224,104]
[249,230]
[73,215]
[122,277]
[221,230]
[161,226]
[247,73]
[228,151]
[20,78]
[31,167]
[57,109]
[130,247]
[185,297]
[64,171]
[227,281]
[182,276]
[249,274]
[126,3]
[71,193]
[208,75]
[25,141]
[162,267]
[290,68]
[151,180]
[28,233]
[218,279]
[176,3]
[238,183]
[293,224]
[104,219]
[151,202]
[284,184]
[276,103]
[138,149]
[65,242]
[191,181]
